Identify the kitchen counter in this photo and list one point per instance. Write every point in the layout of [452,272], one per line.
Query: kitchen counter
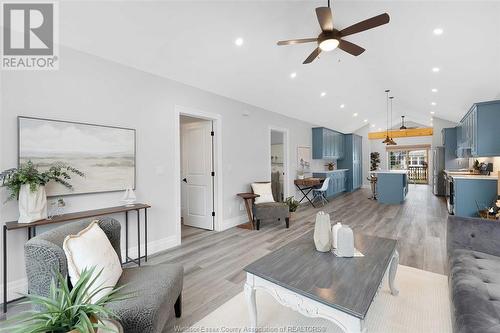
[390,171]
[472,176]
[330,171]
[392,186]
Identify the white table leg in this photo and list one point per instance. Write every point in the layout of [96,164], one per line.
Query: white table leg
[392,273]
[252,306]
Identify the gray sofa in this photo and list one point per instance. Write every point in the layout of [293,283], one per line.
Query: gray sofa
[156,288]
[474,274]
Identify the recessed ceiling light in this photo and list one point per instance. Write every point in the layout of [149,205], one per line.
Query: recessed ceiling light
[379,129]
[373,125]
[323,94]
[238,41]
[433,103]
[432,112]
[355,114]
[342,106]
[365,120]
[432,119]
[434,90]
[293,75]
[435,69]
[438,31]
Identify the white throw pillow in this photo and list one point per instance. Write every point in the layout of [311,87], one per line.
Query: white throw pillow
[264,191]
[89,248]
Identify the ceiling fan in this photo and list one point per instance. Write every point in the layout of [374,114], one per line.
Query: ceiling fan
[330,38]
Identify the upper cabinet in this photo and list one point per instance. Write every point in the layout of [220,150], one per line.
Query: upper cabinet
[478,133]
[327,144]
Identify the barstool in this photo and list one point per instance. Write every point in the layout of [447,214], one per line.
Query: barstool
[373,184]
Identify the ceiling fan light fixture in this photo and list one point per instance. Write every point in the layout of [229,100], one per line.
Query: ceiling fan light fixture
[328,45]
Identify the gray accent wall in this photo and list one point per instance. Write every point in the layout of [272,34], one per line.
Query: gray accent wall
[91,89]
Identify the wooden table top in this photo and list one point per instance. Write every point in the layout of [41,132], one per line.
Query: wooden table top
[76,216]
[311,181]
[248,195]
[346,284]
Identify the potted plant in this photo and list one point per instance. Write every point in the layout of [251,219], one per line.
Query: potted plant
[66,310]
[27,184]
[374,161]
[292,205]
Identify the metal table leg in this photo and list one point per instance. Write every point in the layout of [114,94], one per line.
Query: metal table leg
[138,238]
[146,234]
[306,194]
[126,236]
[4,269]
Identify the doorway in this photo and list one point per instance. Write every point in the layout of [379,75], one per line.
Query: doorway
[415,160]
[197,176]
[278,139]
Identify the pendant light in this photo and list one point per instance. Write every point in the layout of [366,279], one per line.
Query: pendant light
[387,139]
[391,140]
[403,127]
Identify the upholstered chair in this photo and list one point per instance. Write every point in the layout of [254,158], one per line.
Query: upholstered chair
[156,289]
[270,211]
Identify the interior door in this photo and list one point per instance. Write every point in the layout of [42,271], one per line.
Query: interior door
[197,179]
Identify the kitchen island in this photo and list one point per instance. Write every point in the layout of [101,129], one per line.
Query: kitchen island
[392,186]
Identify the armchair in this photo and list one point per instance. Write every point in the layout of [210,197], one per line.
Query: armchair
[156,289]
[269,211]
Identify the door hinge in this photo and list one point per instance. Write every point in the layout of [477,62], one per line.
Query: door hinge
[212,133]
[213,213]
[213,173]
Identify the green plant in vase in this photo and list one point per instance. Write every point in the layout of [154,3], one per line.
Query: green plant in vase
[66,310]
[374,161]
[292,205]
[27,185]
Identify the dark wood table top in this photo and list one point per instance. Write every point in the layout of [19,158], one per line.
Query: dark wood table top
[76,216]
[311,181]
[346,284]
[248,195]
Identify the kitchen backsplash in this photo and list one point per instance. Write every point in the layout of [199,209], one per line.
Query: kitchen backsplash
[320,165]
[494,160]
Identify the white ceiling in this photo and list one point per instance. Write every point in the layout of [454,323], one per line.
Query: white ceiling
[193,42]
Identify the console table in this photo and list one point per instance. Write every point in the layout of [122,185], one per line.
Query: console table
[77,216]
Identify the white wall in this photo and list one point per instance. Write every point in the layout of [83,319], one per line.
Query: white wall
[90,89]
[439,124]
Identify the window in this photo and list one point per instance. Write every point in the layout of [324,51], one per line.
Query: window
[414,160]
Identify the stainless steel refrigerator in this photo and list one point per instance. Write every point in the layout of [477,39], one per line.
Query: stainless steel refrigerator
[438,181]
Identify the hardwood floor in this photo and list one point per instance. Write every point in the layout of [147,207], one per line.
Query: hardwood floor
[214,262]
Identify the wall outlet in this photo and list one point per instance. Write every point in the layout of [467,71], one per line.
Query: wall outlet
[242,207]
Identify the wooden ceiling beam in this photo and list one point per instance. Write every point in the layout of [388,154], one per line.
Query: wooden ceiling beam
[411,132]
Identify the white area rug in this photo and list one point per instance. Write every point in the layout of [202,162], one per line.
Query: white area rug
[421,306]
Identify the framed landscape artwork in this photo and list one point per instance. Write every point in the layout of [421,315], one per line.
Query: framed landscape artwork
[105,154]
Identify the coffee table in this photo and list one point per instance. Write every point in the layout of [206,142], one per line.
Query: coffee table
[318,284]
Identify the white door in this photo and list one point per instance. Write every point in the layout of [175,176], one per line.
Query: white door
[197,180]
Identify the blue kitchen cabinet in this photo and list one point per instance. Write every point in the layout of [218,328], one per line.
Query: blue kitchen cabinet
[327,144]
[470,193]
[336,181]
[451,160]
[352,161]
[478,132]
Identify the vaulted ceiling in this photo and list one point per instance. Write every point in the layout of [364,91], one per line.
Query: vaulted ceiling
[193,42]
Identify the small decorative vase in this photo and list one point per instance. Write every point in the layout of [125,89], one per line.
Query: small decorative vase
[32,205]
[345,242]
[322,232]
[335,230]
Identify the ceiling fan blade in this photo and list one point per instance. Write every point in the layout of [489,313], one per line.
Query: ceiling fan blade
[351,48]
[325,18]
[297,41]
[312,56]
[366,25]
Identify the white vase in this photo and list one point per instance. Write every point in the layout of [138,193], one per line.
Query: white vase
[335,230]
[322,232]
[32,205]
[345,242]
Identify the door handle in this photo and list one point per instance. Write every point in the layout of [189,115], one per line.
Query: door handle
[184,180]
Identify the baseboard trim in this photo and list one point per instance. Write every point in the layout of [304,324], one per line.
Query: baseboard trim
[15,289]
[233,222]
[154,246]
